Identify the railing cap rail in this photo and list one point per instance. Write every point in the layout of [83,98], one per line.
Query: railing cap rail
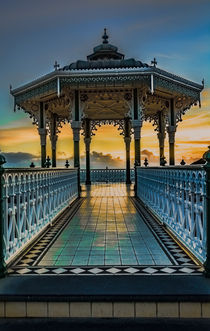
[14,170]
[188,167]
[84,169]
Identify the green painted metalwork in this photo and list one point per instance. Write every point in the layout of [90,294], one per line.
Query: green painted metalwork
[160,82]
[76,105]
[103,80]
[135,104]
[2,262]
[41,115]
[206,156]
[37,92]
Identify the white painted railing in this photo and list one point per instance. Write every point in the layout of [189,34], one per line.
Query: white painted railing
[31,200]
[106,175]
[177,196]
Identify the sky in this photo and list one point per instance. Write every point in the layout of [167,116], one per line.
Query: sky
[33,34]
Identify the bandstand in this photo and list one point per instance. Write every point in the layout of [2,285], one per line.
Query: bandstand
[105,252]
[107,88]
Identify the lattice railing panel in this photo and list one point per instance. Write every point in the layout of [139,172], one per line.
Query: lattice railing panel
[177,195]
[106,175]
[31,199]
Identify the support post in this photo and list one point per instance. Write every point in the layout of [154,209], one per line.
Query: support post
[206,156]
[171,137]
[43,134]
[76,125]
[137,124]
[87,150]
[87,140]
[161,135]
[2,261]
[127,140]
[53,138]
[171,133]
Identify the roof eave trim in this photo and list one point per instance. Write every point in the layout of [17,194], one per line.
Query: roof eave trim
[60,74]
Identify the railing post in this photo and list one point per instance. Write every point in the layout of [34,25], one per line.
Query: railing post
[2,262]
[78,179]
[206,156]
[135,176]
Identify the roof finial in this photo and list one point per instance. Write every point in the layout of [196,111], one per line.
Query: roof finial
[56,65]
[154,62]
[105,37]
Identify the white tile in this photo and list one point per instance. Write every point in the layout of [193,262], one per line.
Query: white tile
[186,270]
[59,270]
[77,270]
[168,270]
[23,271]
[131,270]
[150,270]
[41,271]
[95,270]
[113,270]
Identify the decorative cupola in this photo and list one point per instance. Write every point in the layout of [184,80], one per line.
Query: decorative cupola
[105,51]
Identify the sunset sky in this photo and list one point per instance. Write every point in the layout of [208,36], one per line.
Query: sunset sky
[34,34]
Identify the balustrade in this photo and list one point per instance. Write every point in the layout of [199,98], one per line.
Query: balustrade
[31,200]
[176,195]
[106,175]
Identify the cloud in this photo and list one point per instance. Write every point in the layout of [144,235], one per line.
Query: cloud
[152,158]
[20,159]
[98,160]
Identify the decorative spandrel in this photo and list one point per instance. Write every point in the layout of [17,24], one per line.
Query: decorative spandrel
[106,104]
[95,124]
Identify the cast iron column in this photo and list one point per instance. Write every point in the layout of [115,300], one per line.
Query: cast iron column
[76,137]
[171,133]
[171,138]
[76,125]
[127,140]
[53,138]
[137,124]
[206,156]
[161,135]
[43,134]
[87,150]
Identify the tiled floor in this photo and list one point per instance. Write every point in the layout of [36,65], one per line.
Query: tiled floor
[106,230]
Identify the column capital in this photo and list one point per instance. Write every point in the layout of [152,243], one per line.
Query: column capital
[171,133]
[136,125]
[42,131]
[76,125]
[171,128]
[43,134]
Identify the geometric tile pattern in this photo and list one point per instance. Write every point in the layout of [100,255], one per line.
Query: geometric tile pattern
[176,253]
[114,270]
[36,252]
[108,216]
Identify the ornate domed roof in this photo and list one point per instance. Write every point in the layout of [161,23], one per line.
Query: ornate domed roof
[105,56]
